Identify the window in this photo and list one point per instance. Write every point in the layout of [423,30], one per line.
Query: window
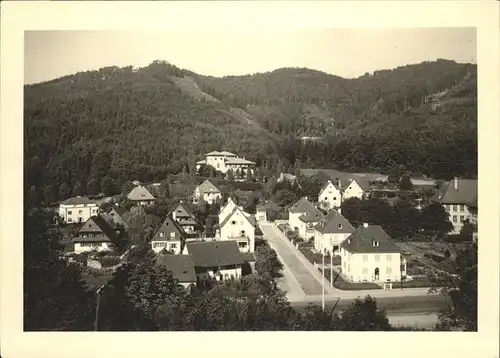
[172,235]
[389,257]
[388,270]
[70,212]
[70,220]
[80,211]
[329,192]
[242,244]
[377,257]
[95,211]
[365,271]
[340,226]
[326,198]
[162,234]
[365,257]
[455,207]
[454,218]
[462,207]
[462,218]
[335,198]
[242,233]
[173,246]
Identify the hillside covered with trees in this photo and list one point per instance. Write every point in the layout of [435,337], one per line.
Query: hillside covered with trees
[95,130]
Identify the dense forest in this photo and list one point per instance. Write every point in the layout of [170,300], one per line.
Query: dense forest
[94,130]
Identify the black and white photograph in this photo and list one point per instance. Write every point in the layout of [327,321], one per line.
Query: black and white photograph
[281,179]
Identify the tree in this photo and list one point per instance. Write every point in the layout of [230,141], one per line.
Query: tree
[33,199]
[50,194]
[405,183]
[461,289]
[127,187]
[364,316]
[230,175]
[351,210]
[249,176]
[64,191]
[434,220]
[467,231]
[93,186]
[55,297]
[108,186]
[78,189]
[165,188]
[267,263]
[395,174]
[270,186]
[404,222]
[285,197]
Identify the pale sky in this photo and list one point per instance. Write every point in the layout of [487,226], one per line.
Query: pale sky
[341,52]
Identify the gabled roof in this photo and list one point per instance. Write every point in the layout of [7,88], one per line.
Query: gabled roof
[238,161]
[307,218]
[364,184]
[182,266]
[334,223]
[213,153]
[120,211]
[223,153]
[168,226]
[96,225]
[214,253]
[465,194]
[304,206]
[326,185]
[79,200]
[207,187]
[201,161]
[361,241]
[249,217]
[140,193]
[182,211]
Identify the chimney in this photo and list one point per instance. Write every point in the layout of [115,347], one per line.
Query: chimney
[455,183]
[365,224]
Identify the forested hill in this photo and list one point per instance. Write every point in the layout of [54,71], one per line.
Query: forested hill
[116,123]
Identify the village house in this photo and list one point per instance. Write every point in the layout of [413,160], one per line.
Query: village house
[182,267]
[187,221]
[116,217]
[238,226]
[331,232]
[226,209]
[329,196]
[261,214]
[206,192]
[77,210]
[288,178]
[94,235]
[303,216]
[224,161]
[168,236]
[356,188]
[460,201]
[219,260]
[141,196]
[370,255]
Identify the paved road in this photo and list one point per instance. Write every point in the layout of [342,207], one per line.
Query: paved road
[308,283]
[298,272]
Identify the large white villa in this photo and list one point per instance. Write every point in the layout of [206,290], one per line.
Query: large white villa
[225,161]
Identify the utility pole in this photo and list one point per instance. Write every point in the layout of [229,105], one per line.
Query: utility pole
[96,322]
[323,283]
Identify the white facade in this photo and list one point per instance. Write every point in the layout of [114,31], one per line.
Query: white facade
[261,216]
[458,213]
[364,267]
[237,227]
[80,247]
[293,220]
[222,273]
[330,197]
[353,190]
[223,161]
[77,213]
[329,242]
[209,198]
[157,246]
[227,209]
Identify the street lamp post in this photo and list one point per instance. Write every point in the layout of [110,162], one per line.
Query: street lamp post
[96,322]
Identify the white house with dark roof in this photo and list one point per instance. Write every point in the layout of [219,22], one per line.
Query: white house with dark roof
[303,216]
[94,235]
[207,192]
[187,220]
[219,260]
[141,196]
[238,226]
[168,236]
[224,161]
[370,255]
[116,217]
[460,201]
[77,210]
[329,197]
[356,188]
[331,232]
[182,267]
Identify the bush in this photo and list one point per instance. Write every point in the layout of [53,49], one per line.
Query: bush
[109,261]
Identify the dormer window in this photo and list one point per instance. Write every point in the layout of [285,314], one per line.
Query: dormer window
[162,234]
[340,226]
[375,243]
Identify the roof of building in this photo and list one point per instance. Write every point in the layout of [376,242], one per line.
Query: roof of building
[78,200]
[207,187]
[214,253]
[307,218]
[248,216]
[182,211]
[334,223]
[119,210]
[140,193]
[223,153]
[364,184]
[361,241]
[168,226]
[236,161]
[248,256]
[304,206]
[182,266]
[201,161]
[326,185]
[286,176]
[95,224]
[465,194]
